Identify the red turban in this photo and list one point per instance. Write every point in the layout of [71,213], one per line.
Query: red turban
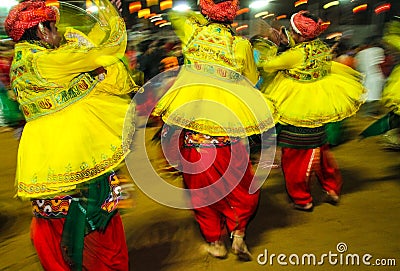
[307,27]
[26,15]
[222,11]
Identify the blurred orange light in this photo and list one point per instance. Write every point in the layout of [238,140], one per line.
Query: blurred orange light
[242,27]
[160,22]
[268,15]
[280,17]
[164,24]
[234,24]
[52,3]
[300,2]
[165,4]
[242,11]
[326,23]
[134,6]
[146,16]
[360,8]
[331,4]
[143,12]
[382,8]
[334,35]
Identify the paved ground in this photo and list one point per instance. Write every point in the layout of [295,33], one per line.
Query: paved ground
[166,239]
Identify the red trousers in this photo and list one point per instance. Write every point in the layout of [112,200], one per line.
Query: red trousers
[103,251]
[227,176]
[299,164]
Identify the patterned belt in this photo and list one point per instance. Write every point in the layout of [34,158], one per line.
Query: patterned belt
[58,207]
[51,208]
[198,140]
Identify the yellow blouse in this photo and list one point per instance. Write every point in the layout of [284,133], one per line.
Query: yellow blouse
[214,92]
[208,42]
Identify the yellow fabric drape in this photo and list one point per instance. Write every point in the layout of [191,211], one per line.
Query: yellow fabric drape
[321,94]
[78,141]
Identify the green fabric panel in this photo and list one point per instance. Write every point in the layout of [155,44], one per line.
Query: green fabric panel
[84,216]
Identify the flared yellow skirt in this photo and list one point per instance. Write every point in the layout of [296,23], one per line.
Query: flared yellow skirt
[332,98]
[216,105]
[76,144]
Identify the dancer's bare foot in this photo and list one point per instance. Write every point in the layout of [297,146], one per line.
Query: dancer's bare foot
[239,247]
[217,249]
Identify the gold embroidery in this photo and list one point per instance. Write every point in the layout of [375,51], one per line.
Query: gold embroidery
[64,182]
[316,64]
[60,99]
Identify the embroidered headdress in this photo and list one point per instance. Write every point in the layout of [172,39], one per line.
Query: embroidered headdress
[26,15]
[219,10]
[303,24]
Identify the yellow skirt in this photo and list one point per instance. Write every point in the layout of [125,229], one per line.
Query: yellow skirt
[76,144]
[333,98]
[214,105]
[391,92]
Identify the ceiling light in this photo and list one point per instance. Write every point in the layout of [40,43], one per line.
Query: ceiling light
[360,8]
[8,3]
[181,7]
[259,4]
[164,24]
[260,14]
[242,27]
[300,2]
[331,4]
[382,8]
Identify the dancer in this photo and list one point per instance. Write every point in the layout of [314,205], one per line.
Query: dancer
[215,57]
[74,96]
[391,94]
[368,61]
[310,91]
